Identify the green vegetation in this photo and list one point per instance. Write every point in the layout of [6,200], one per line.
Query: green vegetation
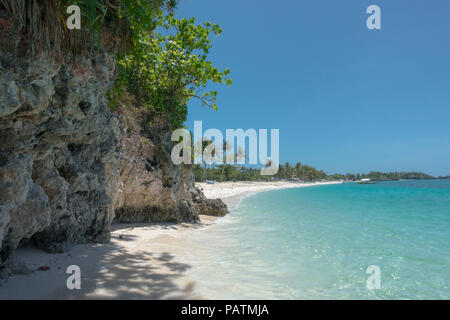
[381,176]
[228,172]
[297,172]
[43,22]
[164,72]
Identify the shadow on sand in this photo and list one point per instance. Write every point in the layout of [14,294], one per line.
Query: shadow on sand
[121,269]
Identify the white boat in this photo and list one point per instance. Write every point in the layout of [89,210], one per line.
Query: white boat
[366,181]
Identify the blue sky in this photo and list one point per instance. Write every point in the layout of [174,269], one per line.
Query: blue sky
[345,98]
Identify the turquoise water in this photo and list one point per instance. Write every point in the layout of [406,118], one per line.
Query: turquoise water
[317,242]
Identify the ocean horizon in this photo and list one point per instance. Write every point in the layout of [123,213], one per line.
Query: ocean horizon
[318,243]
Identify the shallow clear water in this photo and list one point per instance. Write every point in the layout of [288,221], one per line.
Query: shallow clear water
[317,242]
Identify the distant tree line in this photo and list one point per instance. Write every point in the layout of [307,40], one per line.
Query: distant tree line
[380,176]
[298,172]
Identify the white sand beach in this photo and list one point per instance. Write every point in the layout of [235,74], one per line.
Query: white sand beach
[233,192]
[142,261]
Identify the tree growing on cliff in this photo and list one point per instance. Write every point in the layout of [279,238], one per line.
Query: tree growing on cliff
[169,67]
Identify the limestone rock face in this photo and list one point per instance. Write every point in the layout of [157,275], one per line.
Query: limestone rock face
[152,188]
[57,138]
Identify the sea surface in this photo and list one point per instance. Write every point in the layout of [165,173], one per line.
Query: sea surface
[318,243]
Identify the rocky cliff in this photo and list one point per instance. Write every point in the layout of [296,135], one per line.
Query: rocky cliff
[57,139]
[151,188]
[68,165]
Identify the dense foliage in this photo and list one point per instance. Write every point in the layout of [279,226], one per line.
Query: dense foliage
[228,172]
[297,172]
[168,67]
[380,176]
[43,22]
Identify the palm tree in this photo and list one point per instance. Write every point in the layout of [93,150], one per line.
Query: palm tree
[240,156]
[227,146]
[208,152]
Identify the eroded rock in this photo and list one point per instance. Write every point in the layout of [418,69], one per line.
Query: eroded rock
[56,138]
[152,188]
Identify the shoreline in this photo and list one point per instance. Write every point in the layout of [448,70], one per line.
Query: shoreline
[142,261]
[232,193]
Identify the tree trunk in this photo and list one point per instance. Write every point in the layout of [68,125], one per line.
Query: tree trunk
[205,173]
